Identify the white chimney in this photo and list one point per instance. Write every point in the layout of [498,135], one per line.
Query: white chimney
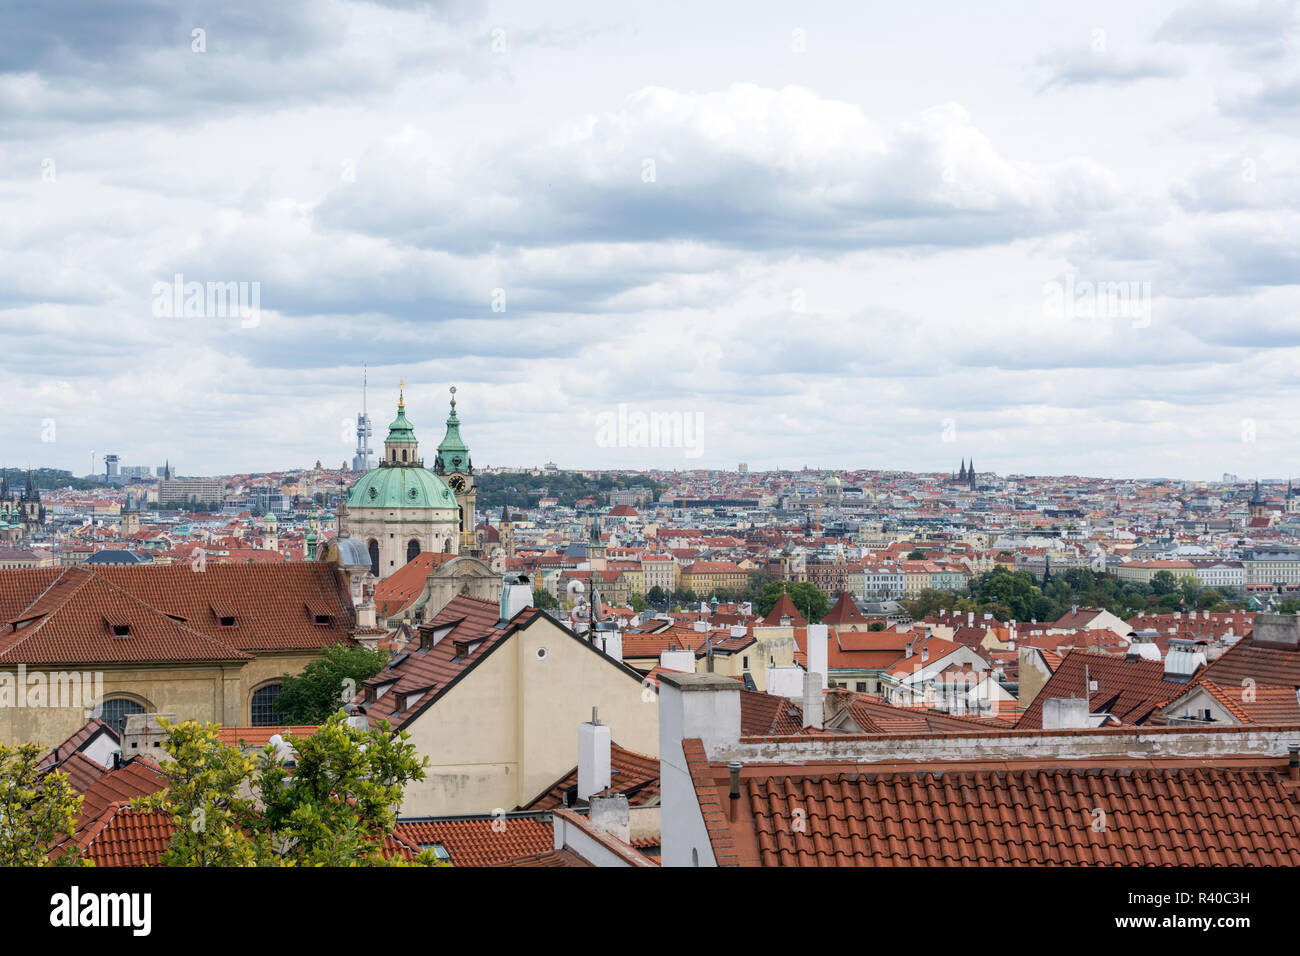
[701,627]
[366,613]
[706,706]
[1065,713]
[516,594]
[818,636]
[612,814]
[813,705]
[593,757]
[681,661]
[785,680]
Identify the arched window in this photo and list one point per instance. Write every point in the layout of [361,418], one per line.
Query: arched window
[263,709]
[403,454]
[373,548]
[446,546]
[412,549]
[117,709]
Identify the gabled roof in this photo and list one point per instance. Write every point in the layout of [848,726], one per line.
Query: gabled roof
[845,611]
[784,607]
[404,585]
[170,612]
[1260,663]
[77,622]
[1131,691]
[470,633]
[79,740]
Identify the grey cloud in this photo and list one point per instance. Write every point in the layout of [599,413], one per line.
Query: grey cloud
[1069,68]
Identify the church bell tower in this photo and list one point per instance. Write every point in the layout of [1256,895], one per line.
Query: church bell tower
[454,467]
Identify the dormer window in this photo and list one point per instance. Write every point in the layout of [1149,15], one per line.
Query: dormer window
[228,621]
[121,630]
[321,620]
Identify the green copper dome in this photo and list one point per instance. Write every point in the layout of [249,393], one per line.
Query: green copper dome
[398,487]
[401,429]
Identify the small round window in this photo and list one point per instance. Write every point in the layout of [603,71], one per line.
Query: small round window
[541,653]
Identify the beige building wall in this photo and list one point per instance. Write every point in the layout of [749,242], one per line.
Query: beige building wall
[217,692]
[509,728]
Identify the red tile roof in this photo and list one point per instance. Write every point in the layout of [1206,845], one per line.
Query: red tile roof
[481,840]
[406,584]
[634,775]
[68,618]
[1132,691]
[83,736]
[784,607]
[1261,663]
[845,611]
[550,858]
[258,737]
[1184,816]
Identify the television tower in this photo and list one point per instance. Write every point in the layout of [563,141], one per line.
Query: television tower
[362,460]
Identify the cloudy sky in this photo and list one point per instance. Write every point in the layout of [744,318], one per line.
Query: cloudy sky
[1063,240]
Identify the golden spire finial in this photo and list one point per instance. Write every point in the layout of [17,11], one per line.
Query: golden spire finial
[453,396]
[401,392]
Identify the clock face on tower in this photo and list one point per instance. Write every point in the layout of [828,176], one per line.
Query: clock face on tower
[457,483]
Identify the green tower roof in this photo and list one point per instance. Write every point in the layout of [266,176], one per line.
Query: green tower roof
[400,429]
[453,453]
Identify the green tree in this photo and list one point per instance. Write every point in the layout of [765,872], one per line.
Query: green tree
[1163,582]
[339,801]
[637,602]
[204,796]
[916,555]
[657,595]
[756,583]
[320,689]
[807,599]
[37,812]
[544,599]
[1015,593]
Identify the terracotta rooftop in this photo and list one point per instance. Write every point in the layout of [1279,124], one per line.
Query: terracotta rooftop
[481,840]
[115,613]
[784,607]
[632,774]
[1132,691]
[845,611]
[1127,811]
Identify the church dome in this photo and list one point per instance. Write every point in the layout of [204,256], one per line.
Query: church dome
[397,487]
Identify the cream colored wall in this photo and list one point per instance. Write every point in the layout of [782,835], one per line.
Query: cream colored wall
[221,693]
[470,737]
[199,692]
[558,694]
[510,729]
